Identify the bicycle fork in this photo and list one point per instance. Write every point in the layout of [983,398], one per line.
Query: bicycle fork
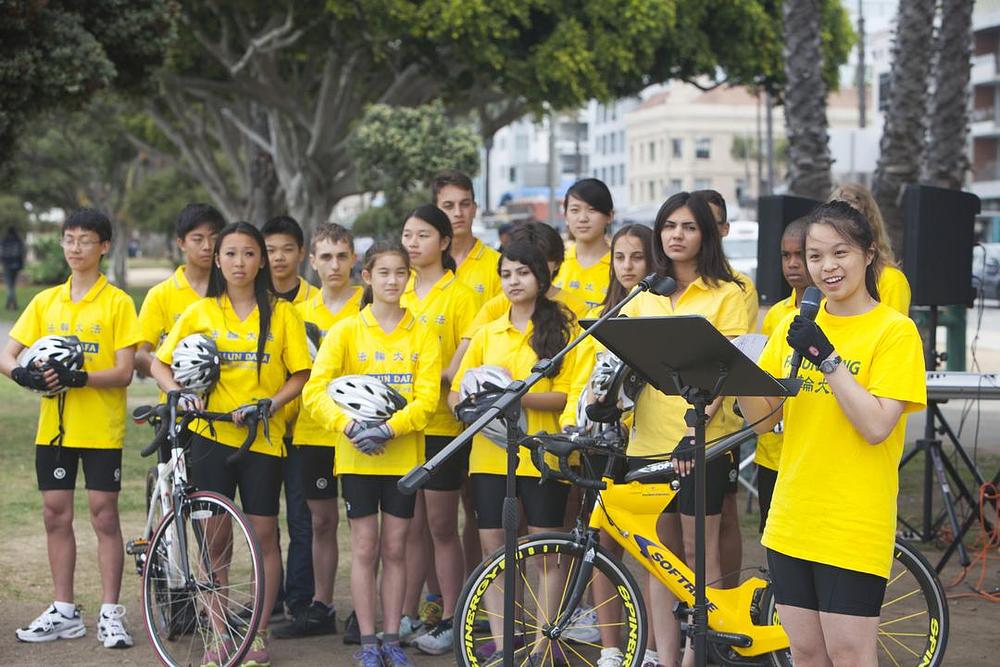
[577,588]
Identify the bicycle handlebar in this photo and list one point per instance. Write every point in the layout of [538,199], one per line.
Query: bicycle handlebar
[562,446]
[159,416]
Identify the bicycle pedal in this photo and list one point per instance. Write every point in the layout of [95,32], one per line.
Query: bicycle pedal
[137,547]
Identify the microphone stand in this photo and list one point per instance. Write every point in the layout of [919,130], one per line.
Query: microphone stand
[509,406]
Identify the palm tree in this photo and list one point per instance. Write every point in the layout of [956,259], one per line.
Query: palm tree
[902,144]
[805,100]
[947,160]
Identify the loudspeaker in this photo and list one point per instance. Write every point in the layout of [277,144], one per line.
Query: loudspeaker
[937,244]
[774,212]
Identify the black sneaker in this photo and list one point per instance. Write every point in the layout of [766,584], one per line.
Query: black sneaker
[316,619]
[352,632]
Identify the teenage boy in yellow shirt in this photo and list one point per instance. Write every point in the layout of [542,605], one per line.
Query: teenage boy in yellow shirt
[196,229]
[103,318]
[285,244]
[477,263]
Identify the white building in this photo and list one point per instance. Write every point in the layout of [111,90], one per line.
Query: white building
[519,161]
[608,153]
[985,128]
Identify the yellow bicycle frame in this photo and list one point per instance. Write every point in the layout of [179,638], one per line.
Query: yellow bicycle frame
[635,508]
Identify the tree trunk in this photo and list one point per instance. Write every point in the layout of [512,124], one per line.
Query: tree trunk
[263,183]
[805,101]
[903,135]
[947,158]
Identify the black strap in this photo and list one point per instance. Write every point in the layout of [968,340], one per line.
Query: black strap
[58,439]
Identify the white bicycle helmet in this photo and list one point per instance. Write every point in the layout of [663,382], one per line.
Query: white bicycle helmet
[483,378]
[66,349]
[365,398]
[314,338]
[583,422]
[487,379]
[196,363]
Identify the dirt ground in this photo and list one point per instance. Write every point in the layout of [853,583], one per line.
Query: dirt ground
[974,637]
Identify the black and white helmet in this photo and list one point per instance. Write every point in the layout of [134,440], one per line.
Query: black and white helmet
[365,398]
[609,372]
[583,422]
[484,380]
[66,349]
[196,363]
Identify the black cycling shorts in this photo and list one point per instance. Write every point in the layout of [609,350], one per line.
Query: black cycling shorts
[766,479]
[257,476]
[448,477]
[316,471]
[56,468]
[716,486]
[544,504]
[827,588]
[365,495]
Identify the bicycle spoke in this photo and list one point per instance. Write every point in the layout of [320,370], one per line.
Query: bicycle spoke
[567,645]
[915,591]
[889,653]
[903,618]
[902,645]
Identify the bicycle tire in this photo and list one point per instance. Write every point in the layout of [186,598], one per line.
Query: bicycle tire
[914,624]
[471,651]
[234,606]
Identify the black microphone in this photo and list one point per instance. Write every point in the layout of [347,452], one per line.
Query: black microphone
[809,309]
[658,285]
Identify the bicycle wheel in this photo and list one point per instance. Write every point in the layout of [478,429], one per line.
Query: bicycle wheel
[548,564]
[171,616]
[913,626]
[216,583]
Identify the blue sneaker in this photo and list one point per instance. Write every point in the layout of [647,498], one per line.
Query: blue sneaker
[393,655]
[368,656]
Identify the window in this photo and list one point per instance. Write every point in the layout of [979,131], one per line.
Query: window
[621,174]
[702,183]
[642,152]
[512,177]
[677,147]
[652,190]
[611,142]
[600,144]
[652,151]
[703,148]
[676,185]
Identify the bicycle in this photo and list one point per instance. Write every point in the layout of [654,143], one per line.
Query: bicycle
[744,627]
[201,567]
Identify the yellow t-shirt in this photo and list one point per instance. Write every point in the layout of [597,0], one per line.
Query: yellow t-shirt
[835,499]
[163,306]
[750,298]
[769,444]
[306,291]
[659,419]
[590,284]
[586,359]
[408,359]
[499,305]
[285,352]
[894,289]
[479,272]
[307,430]
[448,310]
[499,343]
[104,320]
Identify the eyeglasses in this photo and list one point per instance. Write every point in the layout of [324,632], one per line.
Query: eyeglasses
[82,244]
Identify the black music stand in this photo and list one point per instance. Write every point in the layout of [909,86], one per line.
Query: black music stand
[686,356]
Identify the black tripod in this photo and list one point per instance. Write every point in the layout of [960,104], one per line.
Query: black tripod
[936,464]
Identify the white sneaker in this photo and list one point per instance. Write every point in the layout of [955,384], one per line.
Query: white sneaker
[440,639]
[52,625]
[611,657]
[111,629]
[583,627]
[409,630]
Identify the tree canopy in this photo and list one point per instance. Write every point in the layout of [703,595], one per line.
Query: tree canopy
[58,53]
[292,79]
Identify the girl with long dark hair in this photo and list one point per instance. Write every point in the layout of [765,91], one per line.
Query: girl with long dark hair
[438,299]
[830,554]
[262,345]
[688,247]
[534,327]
